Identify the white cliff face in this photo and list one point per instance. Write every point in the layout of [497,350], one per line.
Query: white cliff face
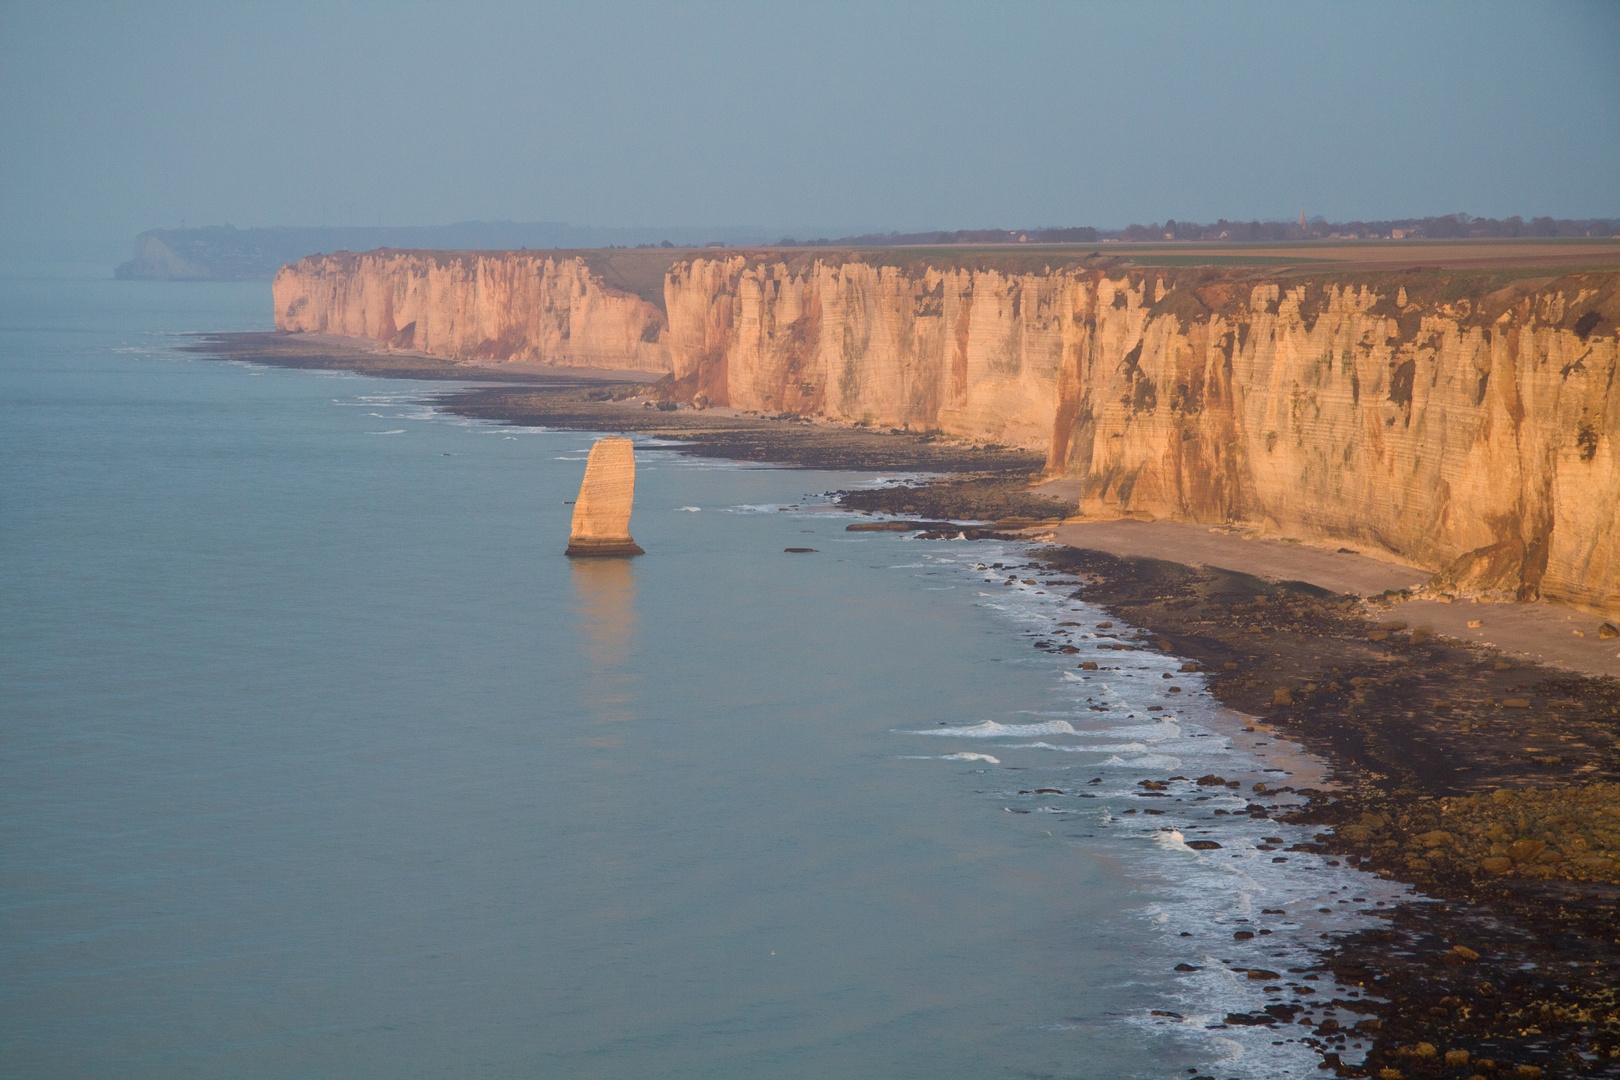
[474,305]
[852,341]
[1329,411]
[1468,429]
[1459,422]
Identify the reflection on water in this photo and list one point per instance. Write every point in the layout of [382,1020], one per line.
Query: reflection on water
[605,615]
[304,802]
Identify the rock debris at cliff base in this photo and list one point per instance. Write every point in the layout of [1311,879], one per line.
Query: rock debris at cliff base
[595,400]
[317,352]
[1505,812]
[783,441]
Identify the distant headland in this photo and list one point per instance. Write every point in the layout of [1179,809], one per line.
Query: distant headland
[226,253]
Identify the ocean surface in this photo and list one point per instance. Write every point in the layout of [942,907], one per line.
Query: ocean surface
[318,759]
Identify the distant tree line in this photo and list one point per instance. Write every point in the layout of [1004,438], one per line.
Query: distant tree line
[1081,235]
[1447,227]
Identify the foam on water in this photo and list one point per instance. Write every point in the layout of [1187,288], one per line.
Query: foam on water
[990,729]
[1155,762]
[1157,732]
[1108,748]
[1286,899]
[755,508]
[950,757]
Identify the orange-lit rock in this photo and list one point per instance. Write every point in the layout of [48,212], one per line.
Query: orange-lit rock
[602,511]
[1466,426]
[1469,424]
[469,305]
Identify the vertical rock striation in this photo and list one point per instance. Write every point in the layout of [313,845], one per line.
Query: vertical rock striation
[511,305]
[602,511]
[1465,422]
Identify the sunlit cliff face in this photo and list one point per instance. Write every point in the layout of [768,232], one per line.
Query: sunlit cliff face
[1460,422]
[517,306]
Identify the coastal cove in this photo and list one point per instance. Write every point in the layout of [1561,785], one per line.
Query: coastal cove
[1398,744]
[323,760]
[703,541]
[987,867]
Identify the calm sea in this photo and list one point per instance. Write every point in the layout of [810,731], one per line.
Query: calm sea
[318,759]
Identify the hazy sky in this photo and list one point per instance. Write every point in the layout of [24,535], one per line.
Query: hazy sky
[799,117]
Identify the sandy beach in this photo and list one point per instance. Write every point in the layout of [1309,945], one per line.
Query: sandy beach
[1544,631]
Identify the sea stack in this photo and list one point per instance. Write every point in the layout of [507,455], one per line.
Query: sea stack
[602,513]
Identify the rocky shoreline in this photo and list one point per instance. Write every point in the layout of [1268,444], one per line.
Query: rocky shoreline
[580,399]
[1490,783]
[1486,782]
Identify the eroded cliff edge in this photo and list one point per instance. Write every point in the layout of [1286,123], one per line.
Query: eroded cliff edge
[1465,422]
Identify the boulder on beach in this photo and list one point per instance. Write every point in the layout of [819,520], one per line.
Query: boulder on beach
[602,511]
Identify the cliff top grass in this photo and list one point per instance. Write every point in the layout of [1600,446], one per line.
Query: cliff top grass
[1493,274]
[637,269]
[1559,254]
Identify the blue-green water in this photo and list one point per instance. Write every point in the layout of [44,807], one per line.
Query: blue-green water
[317,759]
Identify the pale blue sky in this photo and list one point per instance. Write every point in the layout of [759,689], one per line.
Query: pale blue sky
[800,117]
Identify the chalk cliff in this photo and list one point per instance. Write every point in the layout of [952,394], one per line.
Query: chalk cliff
[511,305]
[1468,423]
